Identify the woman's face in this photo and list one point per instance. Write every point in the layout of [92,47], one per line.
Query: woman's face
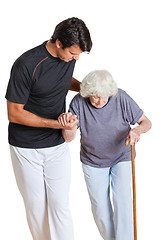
[97,101]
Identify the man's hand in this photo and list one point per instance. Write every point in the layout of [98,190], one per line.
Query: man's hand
[69,125]
[68,121]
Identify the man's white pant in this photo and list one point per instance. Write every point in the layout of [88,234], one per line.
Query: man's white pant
[43,178]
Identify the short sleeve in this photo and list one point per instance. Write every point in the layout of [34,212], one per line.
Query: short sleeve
[74,108]
[19,85]
[132,111]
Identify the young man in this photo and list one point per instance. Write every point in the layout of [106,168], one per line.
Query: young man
[38,85]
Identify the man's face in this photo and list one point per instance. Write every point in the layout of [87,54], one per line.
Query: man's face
[69,53]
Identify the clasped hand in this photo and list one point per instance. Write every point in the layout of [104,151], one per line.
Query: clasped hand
[68,121]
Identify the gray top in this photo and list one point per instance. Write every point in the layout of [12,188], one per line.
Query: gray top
[104,130]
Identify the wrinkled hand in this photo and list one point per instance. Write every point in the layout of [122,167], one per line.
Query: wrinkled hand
[134,136]
[68,121]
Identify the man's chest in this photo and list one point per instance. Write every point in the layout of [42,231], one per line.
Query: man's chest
[51,79]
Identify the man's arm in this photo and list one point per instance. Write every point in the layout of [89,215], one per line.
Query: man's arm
[17,114]
[75,85]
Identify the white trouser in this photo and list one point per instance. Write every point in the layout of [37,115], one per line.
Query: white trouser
[43,179]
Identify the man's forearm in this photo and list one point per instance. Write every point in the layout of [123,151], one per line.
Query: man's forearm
[17,114]
[75,85]
[36,121]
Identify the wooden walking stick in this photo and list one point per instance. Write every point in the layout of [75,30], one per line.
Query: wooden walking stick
[127,142]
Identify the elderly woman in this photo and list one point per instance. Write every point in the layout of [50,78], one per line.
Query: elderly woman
[105,114]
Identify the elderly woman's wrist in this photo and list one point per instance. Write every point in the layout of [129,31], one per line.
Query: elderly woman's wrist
[138,130]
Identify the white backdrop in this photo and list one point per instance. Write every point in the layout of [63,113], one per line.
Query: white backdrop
[126,42]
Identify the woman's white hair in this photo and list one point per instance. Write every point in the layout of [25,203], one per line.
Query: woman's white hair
[98,83]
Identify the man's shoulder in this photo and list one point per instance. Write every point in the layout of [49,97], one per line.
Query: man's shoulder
[33,53]
[30,58]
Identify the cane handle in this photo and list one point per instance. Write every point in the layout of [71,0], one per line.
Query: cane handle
[127,142]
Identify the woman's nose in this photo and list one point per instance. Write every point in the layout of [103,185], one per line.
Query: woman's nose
[100,100]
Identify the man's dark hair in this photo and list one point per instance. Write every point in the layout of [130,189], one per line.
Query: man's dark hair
[73,31]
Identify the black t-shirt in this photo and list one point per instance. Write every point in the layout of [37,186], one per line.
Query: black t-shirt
[40,82]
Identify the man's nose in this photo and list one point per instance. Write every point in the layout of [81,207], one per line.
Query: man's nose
[76,57]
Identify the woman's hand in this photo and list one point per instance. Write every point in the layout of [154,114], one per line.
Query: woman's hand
[67,118]
[134,136]
[69,125]
[144,125]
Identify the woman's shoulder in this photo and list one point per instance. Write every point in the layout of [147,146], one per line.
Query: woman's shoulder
[122,94]
[77,101]
[78,98]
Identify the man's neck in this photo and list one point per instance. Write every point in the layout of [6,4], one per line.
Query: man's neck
[51,48]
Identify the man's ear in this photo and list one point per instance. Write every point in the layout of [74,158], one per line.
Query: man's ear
[59,44]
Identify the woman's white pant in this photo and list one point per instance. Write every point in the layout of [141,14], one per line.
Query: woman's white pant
[43,178]
[117,224]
